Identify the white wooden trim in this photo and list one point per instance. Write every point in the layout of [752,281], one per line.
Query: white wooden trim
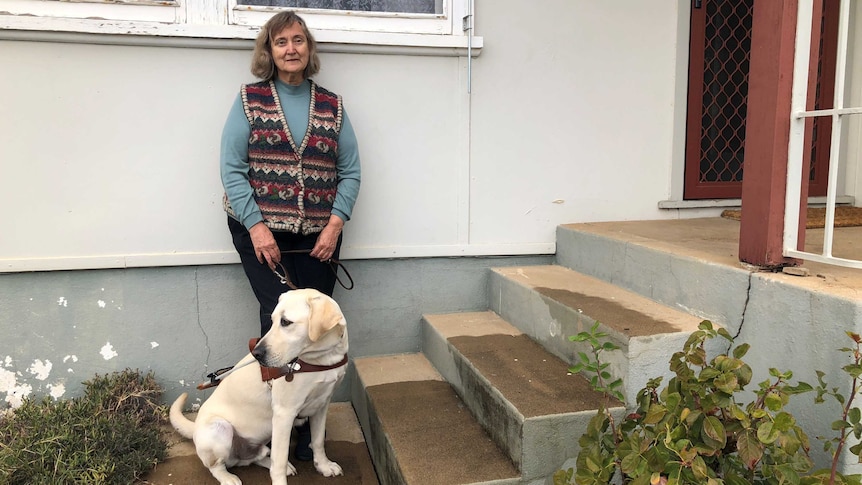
[718,203]
[215,19]
[232,37]
[350,21]
[230,257]
[46,12]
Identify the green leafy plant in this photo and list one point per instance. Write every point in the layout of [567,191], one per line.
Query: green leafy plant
[850,422]
[600,378]
[109,435]
[694,430]
[602,433]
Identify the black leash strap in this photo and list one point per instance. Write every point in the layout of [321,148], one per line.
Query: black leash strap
[333,263]
[214,378]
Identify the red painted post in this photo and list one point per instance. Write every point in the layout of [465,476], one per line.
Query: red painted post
[773,37]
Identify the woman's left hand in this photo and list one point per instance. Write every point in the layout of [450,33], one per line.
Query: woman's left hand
[324,248]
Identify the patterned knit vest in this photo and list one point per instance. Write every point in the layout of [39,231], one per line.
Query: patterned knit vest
[294,185]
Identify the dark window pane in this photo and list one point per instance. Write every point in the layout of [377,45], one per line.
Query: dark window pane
[407,6]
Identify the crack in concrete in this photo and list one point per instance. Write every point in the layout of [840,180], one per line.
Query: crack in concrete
[201,327]
[744,309]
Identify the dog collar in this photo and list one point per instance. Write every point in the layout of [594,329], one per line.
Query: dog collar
[296,366]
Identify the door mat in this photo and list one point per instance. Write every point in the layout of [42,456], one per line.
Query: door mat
[845,216]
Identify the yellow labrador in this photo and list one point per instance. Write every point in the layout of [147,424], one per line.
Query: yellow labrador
[245,412]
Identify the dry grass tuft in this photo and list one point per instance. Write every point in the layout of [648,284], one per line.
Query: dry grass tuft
[108,436]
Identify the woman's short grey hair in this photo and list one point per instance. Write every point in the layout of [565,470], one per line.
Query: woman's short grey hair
[262,65]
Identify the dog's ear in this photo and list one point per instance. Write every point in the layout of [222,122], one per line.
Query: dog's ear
[325,315]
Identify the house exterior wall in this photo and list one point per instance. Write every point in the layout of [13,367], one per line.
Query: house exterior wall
[117,141]
[110,172]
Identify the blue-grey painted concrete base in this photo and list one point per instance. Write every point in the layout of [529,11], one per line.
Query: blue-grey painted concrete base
[61,328]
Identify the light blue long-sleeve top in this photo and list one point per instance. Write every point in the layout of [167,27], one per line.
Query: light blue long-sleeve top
[295,102]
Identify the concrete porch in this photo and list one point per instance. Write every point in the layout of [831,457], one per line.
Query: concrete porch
[716,240]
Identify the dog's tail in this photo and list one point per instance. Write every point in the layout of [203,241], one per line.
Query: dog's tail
[179,421]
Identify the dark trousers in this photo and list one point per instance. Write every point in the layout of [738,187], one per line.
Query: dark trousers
[303,270]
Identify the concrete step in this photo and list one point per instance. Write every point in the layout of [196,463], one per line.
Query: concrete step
[521,394]
[690,265]
[418,431]
[551,303]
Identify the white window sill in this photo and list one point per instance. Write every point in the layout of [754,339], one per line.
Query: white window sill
[138,33]
[736,203]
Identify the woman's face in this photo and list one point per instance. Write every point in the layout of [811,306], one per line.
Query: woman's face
[290,53]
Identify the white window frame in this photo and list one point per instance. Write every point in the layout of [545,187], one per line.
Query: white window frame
[361,21]
[47,13]
[224,22]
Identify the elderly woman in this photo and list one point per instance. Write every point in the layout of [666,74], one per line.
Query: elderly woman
[290,170]
[289,166]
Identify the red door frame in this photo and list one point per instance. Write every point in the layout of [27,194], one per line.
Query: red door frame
[820,97]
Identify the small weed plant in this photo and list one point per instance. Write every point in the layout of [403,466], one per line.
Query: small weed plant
[110,435]
[695,430]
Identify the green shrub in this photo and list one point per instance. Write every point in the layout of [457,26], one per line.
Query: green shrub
[108,436]
[694,430]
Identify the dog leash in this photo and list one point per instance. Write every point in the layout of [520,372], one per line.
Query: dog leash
[333,263]
[216,377]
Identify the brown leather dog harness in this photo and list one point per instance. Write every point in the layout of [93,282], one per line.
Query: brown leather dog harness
[296,366]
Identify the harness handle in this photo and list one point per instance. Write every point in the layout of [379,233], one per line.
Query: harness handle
[333,263]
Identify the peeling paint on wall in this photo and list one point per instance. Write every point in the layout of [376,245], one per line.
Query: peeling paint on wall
[73,358]
[15,396]
[108,352]
[57,390]
[7,380]
[101,303]
[154,345]
[41,370]
[63,302]
[15,393]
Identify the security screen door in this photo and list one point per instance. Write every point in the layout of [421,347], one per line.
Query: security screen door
[720,48]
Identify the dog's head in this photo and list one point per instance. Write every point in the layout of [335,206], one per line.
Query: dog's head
[305,322]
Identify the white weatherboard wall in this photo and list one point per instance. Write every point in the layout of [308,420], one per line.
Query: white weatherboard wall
[110,153]
[572,115]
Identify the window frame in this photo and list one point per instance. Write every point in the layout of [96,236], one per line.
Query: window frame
[223,23]
[117,10]
[353,21]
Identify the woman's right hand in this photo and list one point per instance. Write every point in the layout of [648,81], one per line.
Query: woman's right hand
[264,244]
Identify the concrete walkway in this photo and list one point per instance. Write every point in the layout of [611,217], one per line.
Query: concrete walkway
[344,444]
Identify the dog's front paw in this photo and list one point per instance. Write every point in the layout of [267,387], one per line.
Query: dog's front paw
[226,478]
[291,470]
[328,468]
